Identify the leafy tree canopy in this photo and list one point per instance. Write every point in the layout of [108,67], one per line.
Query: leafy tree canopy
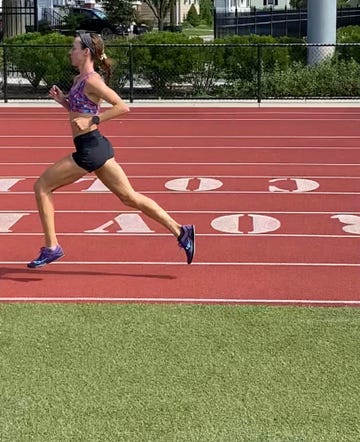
[119,11]
[303,3]
[207,11]
[160,9]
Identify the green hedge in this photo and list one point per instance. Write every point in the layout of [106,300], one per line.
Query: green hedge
[349,34]
[335,78]
[165,66]
[175,65]
[244,61]
[39,63]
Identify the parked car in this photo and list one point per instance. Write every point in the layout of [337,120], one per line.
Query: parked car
[140,29]
[95,20]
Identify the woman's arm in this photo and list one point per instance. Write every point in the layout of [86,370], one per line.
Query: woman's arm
[97,90]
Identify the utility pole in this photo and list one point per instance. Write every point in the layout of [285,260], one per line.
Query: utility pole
[321,29]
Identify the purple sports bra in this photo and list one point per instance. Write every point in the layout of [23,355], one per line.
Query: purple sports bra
[79,102]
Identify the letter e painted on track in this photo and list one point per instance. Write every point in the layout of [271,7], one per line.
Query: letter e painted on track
[293,185]
[352,222]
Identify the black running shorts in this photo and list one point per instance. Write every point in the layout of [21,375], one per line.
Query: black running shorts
[92,150]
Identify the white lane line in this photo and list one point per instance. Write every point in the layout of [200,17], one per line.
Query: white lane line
[194,119]
[180,300]
[209,109]
[145,163]
[174,263]
[216,235]
[191,211]
[147,148]
[187,192]
[272,137]
[239,177]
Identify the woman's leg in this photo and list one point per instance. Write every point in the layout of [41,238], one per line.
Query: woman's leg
[115,179]
[63,172]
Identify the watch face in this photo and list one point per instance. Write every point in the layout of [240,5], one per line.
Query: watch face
[96,119]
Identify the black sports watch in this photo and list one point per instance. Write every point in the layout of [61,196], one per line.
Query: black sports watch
[95,119]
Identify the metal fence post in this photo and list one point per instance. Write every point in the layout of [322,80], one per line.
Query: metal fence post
[259,60]
[5,85]
[131,73]
[36,16]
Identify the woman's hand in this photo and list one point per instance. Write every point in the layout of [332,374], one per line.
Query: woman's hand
[82,123]
[57,94]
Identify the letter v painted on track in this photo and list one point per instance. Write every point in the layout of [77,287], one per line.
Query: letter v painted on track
[9,219]
[128,223]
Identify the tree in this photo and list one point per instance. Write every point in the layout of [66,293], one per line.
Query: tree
[303,3]
[119,11]
[192,16]
[207,11]
[298,4]
[160,9]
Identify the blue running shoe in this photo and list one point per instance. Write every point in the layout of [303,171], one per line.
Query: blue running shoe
[46,257]
[186,241]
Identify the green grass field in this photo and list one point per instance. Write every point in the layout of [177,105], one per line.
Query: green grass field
[178,373]
[199,31]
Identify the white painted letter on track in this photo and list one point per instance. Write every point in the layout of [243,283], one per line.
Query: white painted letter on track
[8,219]
[96,186]
[7,183]
[352,221]
[294,185]
[245,223]
[128,223]
[193,184]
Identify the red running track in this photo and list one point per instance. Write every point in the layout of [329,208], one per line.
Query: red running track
[274,194]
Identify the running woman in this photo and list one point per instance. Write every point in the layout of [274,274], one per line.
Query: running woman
[93,152]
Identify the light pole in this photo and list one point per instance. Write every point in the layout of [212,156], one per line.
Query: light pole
[321,29]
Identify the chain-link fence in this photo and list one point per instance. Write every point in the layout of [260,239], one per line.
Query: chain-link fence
[194,71]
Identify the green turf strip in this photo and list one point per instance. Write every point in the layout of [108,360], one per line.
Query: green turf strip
[178,373]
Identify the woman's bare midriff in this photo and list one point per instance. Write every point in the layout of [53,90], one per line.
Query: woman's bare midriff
[75,130]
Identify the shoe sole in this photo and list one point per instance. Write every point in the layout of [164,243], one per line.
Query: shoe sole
[193,241]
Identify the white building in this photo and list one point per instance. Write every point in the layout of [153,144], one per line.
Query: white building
[180,11]
[247,5]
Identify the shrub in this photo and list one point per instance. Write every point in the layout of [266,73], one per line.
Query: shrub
[118,52]
[23,59]
[297,50]
[192,16]
[166,65]
[348,34]
[36,62]
[243,58]
[332,78]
